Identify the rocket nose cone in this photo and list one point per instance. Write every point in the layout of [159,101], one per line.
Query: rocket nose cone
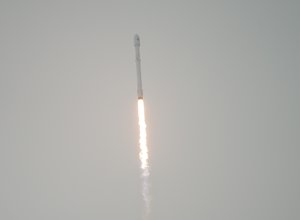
[136,40]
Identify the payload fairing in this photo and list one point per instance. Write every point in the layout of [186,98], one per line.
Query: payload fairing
[138,66]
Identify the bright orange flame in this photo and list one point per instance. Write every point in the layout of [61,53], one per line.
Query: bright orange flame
[143,139]
[144,157]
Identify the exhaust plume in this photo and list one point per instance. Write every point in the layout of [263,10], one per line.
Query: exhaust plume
[143,154]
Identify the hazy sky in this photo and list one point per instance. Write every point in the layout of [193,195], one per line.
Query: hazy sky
[221,86]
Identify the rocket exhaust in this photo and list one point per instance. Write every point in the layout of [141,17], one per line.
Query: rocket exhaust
[143,154]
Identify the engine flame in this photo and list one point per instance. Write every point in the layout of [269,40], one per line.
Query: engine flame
[144,156]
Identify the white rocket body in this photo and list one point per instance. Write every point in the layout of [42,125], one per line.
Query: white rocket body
[138,66]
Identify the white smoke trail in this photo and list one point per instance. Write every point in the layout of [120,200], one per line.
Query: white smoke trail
[144,157]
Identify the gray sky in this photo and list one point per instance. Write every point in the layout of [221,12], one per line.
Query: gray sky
[221,87]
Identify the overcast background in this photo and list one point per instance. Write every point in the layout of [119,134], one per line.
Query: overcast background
[221,86]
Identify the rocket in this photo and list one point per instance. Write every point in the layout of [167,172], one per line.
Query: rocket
[138,66]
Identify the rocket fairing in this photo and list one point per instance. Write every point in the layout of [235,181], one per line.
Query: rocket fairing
[138,66]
